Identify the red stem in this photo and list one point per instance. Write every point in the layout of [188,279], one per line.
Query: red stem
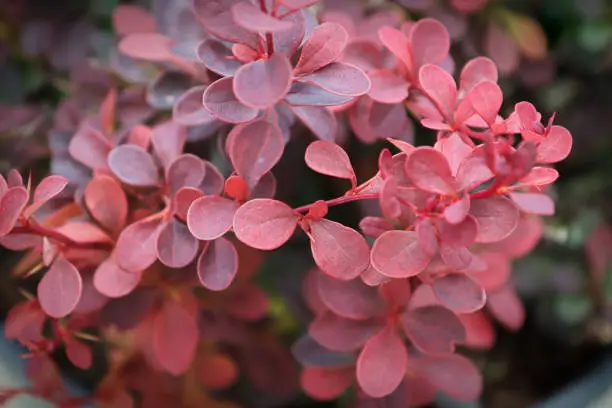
[269,37]
[32,228]
[340,200]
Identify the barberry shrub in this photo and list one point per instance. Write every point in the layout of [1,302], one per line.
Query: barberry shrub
[157,249]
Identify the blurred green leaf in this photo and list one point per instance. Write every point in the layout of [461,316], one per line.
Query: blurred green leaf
[573,309]
[103,8]
[595,36]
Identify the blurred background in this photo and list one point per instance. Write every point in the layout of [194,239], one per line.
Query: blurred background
[555,53]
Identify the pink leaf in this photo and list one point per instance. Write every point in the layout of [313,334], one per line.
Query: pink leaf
[556,146]
[251,18]
[254,149]
[397,43]
[430,42]
[440,86]
[340,79]
[337,250]
[133,166]
[175,337]
[298,4]
[507,307]
[351,299]
[146,46]
[480,333]
[264,224]
[534,203]
[220,100]
[216,17]
[330,159]
[14,179]
[136,245]
[189,110]
[183,199]
[187,170]
[457,211]
[213,181]
[486,98]
[218,265]
[389,204]
[540,176]
[387,87]
[477,70]
[455,375]
[497,217]
[340,334]
[210,217]
[429,170]
[217,57]
[433,329]
[461,234]
[320,120]
[175,245]
[262,83]
[288,41]
[78,353]
[60,289]
[427,236]
[89,147]
[373,226]
[456,257]
[324,45]
[112,281]
[459,293]
[129,19]
[48,188]
[496,273]
[397,254]
[106,202]
[168,140]
[382,364]
[326,383]
[11,205]
[309,94]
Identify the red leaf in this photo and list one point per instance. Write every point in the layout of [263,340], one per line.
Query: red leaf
[324,45]
[433,329]
[340,79]
[78,353]
[477,70]
[106,202]
[140,135]
[133,166]
[210,217]
[146,46]
[213,181]
[60,289]
[382,364]
[189,110]
[351,299]
[220,100]
[339,334]
[175,337]
[397,254]
[262,83]
[496,273]
[440,86]
[218,265]
[187,170]
[430,42]
[175,245]
[534,203]
[387,87]
[324,383]
[330,159]
[135,249]
[89,147]
[459,293]
[429,170]
[108,110]
[556,146]
[264,224]
[251,18]
[455,375]
[112,281]
[11,205]
[480,333]
[130,19]
[183,199]
[216,371]
[248,303]
[497,217]
[320,120]
[254,149]
[507,307]
[337,250]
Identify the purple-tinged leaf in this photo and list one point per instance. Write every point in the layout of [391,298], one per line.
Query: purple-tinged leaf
[339,334]
[213,181]
[11,205]
[397,254]
[324,45]
[456,257]
[219,99]
[164,91]
[216,17]
[382,364]
[112,281]
[298,4]
[308,352]
[183,199]
[218,265]
[262,83]
[330,159]
[189,110]
[534,203]
[373,227]
[175,245]
[264,224]
[14,179]
[497,217]
[210,217]
[168,140]
[306,94]
[135,249]
[265,187]
[217,57]
[429,170]
[251,18]
[60,289]
[427,236]
[106,202]
[339,251]
[187,170]
[288,41]
[320,120]
[433,329]
[133,166]
[387,87]
[459,293]
[341,79]
[351,299]
[455,375]
[461,234]
[90,147]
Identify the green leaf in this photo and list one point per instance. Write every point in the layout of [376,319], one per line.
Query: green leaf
[573,309]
